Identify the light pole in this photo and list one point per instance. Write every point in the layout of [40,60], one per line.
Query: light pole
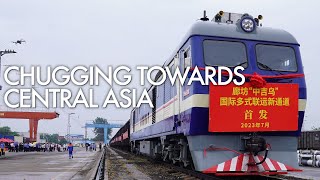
[69,126]
[7,51]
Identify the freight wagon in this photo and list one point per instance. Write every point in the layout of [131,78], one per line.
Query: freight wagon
[121,139]
[309,140]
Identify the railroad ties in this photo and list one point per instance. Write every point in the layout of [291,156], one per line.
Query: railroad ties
[123,164]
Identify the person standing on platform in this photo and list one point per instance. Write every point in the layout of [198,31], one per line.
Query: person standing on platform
[26,147]
[87,146]
[64,147]
[46,147]
[70,150]
[11,147]
[30,146]
[16,146]
[2,146]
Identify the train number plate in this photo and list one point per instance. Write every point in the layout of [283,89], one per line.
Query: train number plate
[246,109]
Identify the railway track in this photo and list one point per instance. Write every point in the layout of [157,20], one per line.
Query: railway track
[99,168]
[188,174]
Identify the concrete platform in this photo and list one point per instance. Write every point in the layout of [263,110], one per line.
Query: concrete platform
[307,173]
[46,165]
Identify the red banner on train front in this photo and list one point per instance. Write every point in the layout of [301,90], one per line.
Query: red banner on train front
[246,109]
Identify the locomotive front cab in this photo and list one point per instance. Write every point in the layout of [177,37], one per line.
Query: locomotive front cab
[228,130]
[266,112]
[263,55]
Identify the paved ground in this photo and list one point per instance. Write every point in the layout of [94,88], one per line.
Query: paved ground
[46,165]
[307,173]
[57,166]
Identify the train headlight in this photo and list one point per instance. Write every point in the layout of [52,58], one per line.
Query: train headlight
[247,24]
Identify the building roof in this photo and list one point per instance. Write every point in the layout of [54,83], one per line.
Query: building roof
[75,135]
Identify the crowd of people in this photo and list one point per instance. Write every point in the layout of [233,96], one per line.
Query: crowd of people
[29,147]
[42,147]
[45,147]
[92,146]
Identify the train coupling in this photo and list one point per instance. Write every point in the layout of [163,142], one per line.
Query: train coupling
[255,144]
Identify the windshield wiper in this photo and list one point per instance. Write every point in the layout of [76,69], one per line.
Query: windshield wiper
[267,67]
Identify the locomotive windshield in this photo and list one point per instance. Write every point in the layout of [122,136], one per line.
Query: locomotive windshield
[224,53]
[277,58]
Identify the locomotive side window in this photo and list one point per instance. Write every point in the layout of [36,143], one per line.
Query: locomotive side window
[224,53]
[159,92]
[277,58]
[187,58]
[172,67]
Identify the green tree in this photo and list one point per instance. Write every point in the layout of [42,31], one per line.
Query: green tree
[315,128]
[63,141]
[99,131]
[52,138]
[6,130]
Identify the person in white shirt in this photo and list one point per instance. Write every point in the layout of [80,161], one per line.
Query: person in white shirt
[11,147]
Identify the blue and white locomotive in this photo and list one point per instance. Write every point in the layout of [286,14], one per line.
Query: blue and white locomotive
[177,128]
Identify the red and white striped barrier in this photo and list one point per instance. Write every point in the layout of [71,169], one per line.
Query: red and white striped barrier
[245,164]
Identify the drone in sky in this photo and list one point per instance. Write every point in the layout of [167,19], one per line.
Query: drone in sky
[19,41]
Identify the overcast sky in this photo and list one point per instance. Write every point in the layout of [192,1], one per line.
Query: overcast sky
[135,32]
